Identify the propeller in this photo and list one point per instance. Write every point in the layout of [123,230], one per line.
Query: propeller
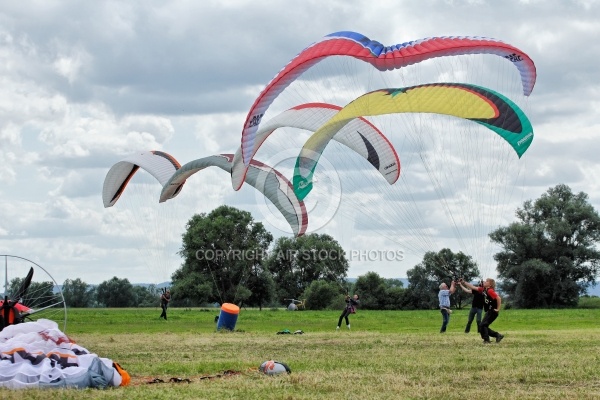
[24,287]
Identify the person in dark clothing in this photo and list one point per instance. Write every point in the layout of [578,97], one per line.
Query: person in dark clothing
[476,306]
[351,304]
[492,305]
[164,303]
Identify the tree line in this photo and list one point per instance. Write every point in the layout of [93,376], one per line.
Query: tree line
[549,258]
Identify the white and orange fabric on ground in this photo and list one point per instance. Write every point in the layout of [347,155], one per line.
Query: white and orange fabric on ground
[38,355]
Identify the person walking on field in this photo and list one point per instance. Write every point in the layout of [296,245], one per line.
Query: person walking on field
[476,305]
[444,297]
[492,305]
[165,298]
[351,304]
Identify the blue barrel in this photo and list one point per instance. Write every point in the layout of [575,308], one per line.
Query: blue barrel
[228,317]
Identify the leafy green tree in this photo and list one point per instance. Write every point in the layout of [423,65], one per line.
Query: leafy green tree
[372,291]
[426,277]
[550,255]
[263,287]
[396,295]
[146,296]
[378,293]
[115,293]
[296,262]
[220,251]
[422,289]
[77,293]
[321,295]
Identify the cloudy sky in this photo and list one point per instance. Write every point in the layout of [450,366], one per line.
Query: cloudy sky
[84,84]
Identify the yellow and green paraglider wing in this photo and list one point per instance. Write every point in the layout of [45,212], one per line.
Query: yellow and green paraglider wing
[475,103]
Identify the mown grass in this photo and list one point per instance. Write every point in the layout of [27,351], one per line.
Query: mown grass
[546,354]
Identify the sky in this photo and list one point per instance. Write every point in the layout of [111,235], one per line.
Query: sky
[85,84]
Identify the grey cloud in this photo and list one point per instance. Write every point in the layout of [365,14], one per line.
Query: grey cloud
[195,63]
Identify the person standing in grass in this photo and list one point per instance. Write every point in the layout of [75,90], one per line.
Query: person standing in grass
[444,297]
[476,305]
[165,298]
[351,304]
[492,304]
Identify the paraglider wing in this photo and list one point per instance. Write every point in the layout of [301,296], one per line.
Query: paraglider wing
[280,191]
[38,355]
[359,135]
[465,101]
[157,163]
[382,57]
[174,182]
[265,179]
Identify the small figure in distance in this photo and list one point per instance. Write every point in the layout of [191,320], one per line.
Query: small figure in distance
[351,304]
[444,298]
[165,298]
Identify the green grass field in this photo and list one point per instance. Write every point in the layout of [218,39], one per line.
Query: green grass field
[546,354]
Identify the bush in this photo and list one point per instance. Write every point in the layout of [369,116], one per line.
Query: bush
[589,302]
